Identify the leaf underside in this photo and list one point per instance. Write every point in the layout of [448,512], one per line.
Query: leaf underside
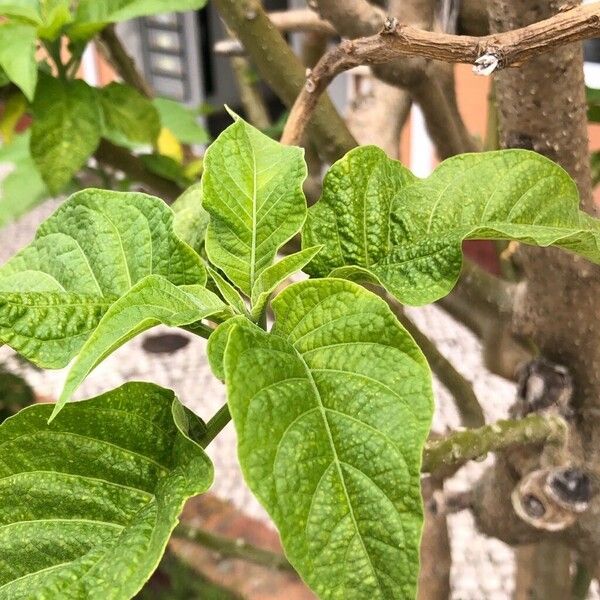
[380,223]
[330,430]
[88,502]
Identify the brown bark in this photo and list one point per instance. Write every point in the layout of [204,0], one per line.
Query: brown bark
[382,51]
[542,107]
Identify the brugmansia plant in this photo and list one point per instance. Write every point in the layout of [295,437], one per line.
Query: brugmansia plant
[330,396]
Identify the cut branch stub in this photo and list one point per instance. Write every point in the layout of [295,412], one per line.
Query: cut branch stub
[552,499]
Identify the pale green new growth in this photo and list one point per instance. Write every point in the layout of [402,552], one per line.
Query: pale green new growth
[89,253]
[88,503]
[228,292]
[191,220]
[17,54]
[379,223]
[330,431]
[272,276]
[252,189]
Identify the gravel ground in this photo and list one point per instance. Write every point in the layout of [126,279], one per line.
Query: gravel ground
[482,569]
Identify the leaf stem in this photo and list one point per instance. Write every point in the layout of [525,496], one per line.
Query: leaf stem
[233,548]
[216,425]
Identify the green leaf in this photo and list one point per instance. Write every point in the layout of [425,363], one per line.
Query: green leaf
[55,15]
[181,121]
[166,167]
[217,342]
[129,114]
[331,425]
[152,301]
[23,188]
[228,292]
[89,501]
[252,188]
[66,128]
[272,276]
[88,254]
[21,9]
[191,220]
[407,233]
[17,55]
[92,16]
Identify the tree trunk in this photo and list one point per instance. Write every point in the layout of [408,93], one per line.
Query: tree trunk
[542,107]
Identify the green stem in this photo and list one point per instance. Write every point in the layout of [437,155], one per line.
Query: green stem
[216,425]
[456,449]
[53,49]
[231,548]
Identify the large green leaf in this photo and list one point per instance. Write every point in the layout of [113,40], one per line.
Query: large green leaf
[66,128]
[252,188]
[91,15]
[152,301]
[17,55]
[407,233]
[89,501]
[332,409]
[129,114]
[181,121]
[89,253]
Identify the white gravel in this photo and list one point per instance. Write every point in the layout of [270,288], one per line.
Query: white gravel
[482,569]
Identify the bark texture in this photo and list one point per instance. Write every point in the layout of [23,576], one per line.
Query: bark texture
[542,107]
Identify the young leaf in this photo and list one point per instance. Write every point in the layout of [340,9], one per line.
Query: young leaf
[55,15]
[272,276]
[129,114]
[22,9]
[181,121]
[152,301]
[217,342]
[229,293]
[66,128]
[92,16]
[89,253]
[17,55]
[413,243]
[191,220]
[89,501]
[331,425]
[252,188]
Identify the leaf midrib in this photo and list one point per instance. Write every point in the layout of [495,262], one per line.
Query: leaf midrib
[337,462]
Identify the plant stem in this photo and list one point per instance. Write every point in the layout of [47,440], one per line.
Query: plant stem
[121,159]
[281,69]
[233,548]
[462,446]
[465,399]
[216,425]
[117,55]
